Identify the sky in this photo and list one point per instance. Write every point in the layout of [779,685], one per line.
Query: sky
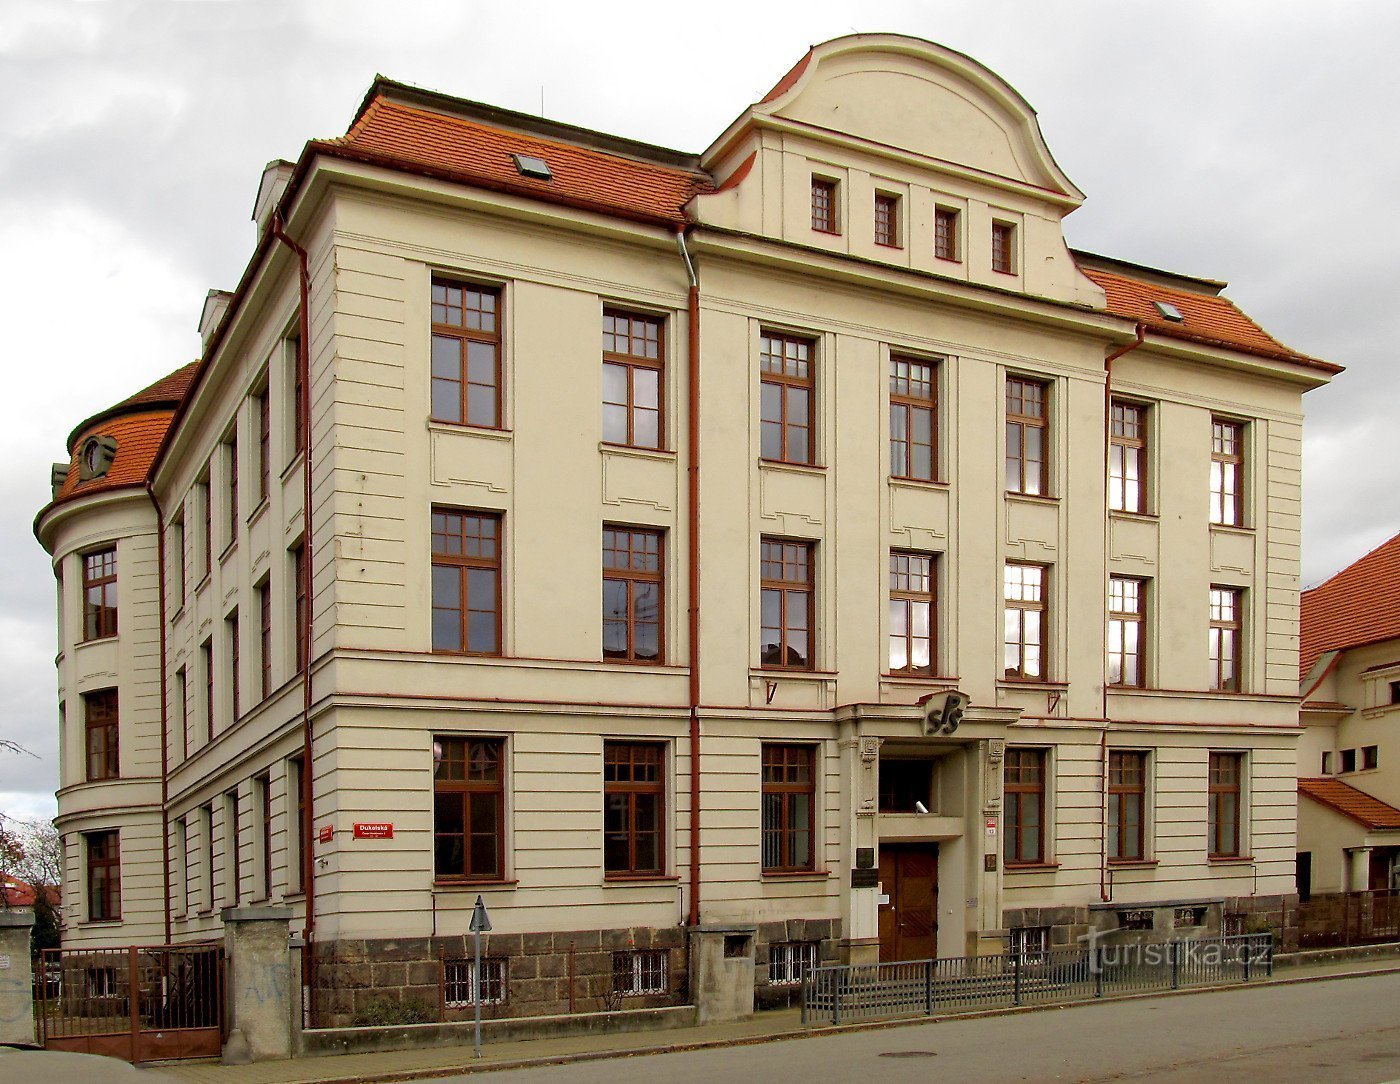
[1249,141]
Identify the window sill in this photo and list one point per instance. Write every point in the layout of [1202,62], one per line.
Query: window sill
[638,879]
[826,233]
[1132,863]
[1032,684]
[796,874]
[796,468]
[100,923]
[1031,498]
[203,582]
[948,259]
[178,615]
[919,679]
[258,511]
[889,244]
[98,639]
[1230,859]
[1232,528]
[291,467]
[791,672]
[666,455]
[1008,274]
[472,886]
[1124,513]
[1030,867]
[228,550]
[919,483]
[492,432]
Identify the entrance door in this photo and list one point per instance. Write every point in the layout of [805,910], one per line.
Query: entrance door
[1378,875]
[909,921]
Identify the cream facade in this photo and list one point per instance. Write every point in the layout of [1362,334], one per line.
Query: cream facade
[917,867]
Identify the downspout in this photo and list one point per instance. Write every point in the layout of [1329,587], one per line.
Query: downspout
[308,858]
[692,453]
[164,712]
[1104,893]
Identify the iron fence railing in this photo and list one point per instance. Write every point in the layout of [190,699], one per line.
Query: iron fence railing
[842,993]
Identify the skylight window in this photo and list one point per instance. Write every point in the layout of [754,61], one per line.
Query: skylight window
[530,166]
[1168,311]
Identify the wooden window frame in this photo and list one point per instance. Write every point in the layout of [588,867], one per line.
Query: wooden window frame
[442,557]
[462,790]
[264,591]
[176,541]
[1347,762]
[774,363]
[905,595]
[262,791]
[635,544]
[946,224]
[100,576]
[1023,606]
[887,220]
[300,588]
[625,767]
[231,452]
[784,553]
[781,764]
[233,841]
[182,695]
[1127,780]
[632,363]
[1019,420]
[463,334]
[207,816]
[299,838]
[298,399]
[907,401]
[206,655]
[1227,472]
[1225,779]
[104,875]
[1128,443]
[1026,772]
[1003,247]
[101,735]
[205,496]
[825,217]
[1122,618]
[1226,629]
[234,661]
[263,409]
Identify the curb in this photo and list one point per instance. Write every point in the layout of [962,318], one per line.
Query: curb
[398,1076]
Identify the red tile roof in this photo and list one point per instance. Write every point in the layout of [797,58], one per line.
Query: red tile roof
[168,391]
[138,438]
[467,151]
[1371,812]
[1210,320]
[1359,605]
[19,893]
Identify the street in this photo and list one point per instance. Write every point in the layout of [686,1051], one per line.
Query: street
[1339,1030]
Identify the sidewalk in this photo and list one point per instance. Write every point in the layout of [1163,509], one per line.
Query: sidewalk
[402,1065]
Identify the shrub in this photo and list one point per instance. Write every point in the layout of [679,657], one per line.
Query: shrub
[385,1012]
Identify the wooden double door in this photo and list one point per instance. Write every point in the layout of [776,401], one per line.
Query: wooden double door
[908,922]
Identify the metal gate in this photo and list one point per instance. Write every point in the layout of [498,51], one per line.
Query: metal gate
[149,1003]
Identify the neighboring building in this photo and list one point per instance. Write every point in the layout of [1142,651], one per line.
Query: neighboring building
[616,453]
[17,894]
[1349,758]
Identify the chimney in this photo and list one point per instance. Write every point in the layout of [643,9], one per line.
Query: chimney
[276,175]
[215,305]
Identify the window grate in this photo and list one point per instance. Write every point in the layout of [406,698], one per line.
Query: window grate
[459,982]
[641,972]
[789,962]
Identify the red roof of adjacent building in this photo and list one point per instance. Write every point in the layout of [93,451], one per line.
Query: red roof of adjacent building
[19,893]
[1359,605]
[460,149]
[1371,812]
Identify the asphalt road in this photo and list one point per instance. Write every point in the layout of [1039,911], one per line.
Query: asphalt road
[1339,1031]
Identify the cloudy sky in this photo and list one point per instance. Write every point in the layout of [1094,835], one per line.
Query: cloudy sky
[1249,141]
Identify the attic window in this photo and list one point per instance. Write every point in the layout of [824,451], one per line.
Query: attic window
[96,459]
[530,166]
[1168,311]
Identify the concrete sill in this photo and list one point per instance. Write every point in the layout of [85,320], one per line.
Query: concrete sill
[1231,860]
[624,880]
[471,886]
[1132,863]
[797,875]
[1030,867]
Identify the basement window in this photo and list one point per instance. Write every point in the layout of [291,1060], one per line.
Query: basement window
[1168,311]
[530,166]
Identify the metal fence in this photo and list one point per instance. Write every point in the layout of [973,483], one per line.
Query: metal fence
[842,993]
[1339,919]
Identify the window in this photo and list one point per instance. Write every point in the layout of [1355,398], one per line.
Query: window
[1024,840]
[1027,436]
[301,838]
[789,962]
[1023,640]
[466,582]
[913,419]
[1370,757]
[231,625]
[632,594]
[1127,458]
[469,809]
[1031,943]
[103,734]
[459,978]
[639,972]
[912,634]
[1127,616]
[205,499]
[1004,248]
[824,205]
[786,399]
[104,876]
[182,847]
[262,794]
[466,384]
[633,365]
[299,602]
[634,801]
[786,604]
[1225,638]
[903,783]
[886,219]
[945,234]
[789,807]
[1348,759]
[100,594]
[1127,795]
[298,403]
[1395,692]
[207,817]
[206,658]
[265,639]
[1226,473]
[1327,758]
[232,846]
[231,457]
[182,706]
[1226,772]
[177,560]
[262,408]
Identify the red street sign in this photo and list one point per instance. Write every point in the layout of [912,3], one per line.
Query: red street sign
[374,830]
[326,834]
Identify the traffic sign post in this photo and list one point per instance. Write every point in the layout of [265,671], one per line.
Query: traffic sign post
[480,923]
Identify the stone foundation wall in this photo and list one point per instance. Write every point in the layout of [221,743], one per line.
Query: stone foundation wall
[399,981]
[1163,920]
[824,931]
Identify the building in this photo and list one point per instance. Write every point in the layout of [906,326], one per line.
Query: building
[1348,761]
[679,542]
